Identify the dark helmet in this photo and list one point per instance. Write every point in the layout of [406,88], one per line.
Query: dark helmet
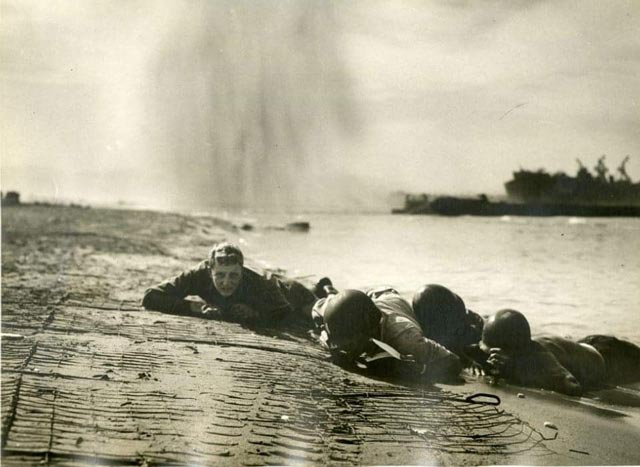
[440,312]
[507,329]
[351,315]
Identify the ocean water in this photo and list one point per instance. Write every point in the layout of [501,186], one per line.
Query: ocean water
[570,276]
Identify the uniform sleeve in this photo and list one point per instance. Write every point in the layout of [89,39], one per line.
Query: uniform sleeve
[168,297]
[540,368]
[317,312]
[267,299]
[430,358]
[424,351]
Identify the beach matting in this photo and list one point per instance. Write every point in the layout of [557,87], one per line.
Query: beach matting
[89,377]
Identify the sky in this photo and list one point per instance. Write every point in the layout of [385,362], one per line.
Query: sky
[307,103]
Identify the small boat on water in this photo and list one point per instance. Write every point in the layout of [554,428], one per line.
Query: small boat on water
[538,193]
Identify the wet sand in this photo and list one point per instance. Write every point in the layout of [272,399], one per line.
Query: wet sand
[89,377]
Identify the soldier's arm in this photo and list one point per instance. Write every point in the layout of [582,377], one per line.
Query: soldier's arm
[169,296]
[540,368]
[432,360]
[266,300]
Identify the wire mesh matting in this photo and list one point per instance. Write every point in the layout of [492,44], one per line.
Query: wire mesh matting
[103,385]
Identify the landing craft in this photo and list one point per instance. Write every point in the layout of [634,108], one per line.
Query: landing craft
[542,194]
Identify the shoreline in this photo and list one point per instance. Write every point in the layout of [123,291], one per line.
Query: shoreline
[97,378]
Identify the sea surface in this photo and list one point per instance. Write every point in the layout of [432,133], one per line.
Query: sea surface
[570,276]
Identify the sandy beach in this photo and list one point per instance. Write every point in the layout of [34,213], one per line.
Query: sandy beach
[90,377]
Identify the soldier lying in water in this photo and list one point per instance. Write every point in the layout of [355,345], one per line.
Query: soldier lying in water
[231,291]
[507,350]
[359,329]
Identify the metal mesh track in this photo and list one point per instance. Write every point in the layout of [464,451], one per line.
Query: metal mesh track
[77,399]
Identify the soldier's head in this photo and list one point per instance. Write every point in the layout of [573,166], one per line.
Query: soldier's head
[442,315]
[351,319]
[508,330]
[225,265]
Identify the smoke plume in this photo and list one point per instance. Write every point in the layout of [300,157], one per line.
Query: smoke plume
[250,105]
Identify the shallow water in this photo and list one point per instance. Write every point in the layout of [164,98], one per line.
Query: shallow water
[570,276]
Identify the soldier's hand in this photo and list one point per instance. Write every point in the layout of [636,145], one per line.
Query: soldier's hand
[497,361]
[476,369]
[210,312]
[196,307]
[243,312]
[204,310]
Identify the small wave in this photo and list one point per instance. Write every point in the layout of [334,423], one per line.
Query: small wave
[577,220]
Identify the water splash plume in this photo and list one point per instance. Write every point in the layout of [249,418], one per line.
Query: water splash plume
[250,106]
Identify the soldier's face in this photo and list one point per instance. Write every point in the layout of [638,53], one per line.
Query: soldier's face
[226,278]
[351,347]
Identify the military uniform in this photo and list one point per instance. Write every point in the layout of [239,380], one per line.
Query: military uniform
[266,296]
[399,329]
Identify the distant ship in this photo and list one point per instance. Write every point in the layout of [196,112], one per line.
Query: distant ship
[539,193]
[585,188]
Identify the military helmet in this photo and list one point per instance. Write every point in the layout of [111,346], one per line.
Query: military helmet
[350,314]
[440,312]
[507,329]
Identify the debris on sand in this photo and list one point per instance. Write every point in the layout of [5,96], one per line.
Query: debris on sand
[579,452]
[298,226]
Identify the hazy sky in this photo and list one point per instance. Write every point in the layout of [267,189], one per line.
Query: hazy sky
[434,96]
